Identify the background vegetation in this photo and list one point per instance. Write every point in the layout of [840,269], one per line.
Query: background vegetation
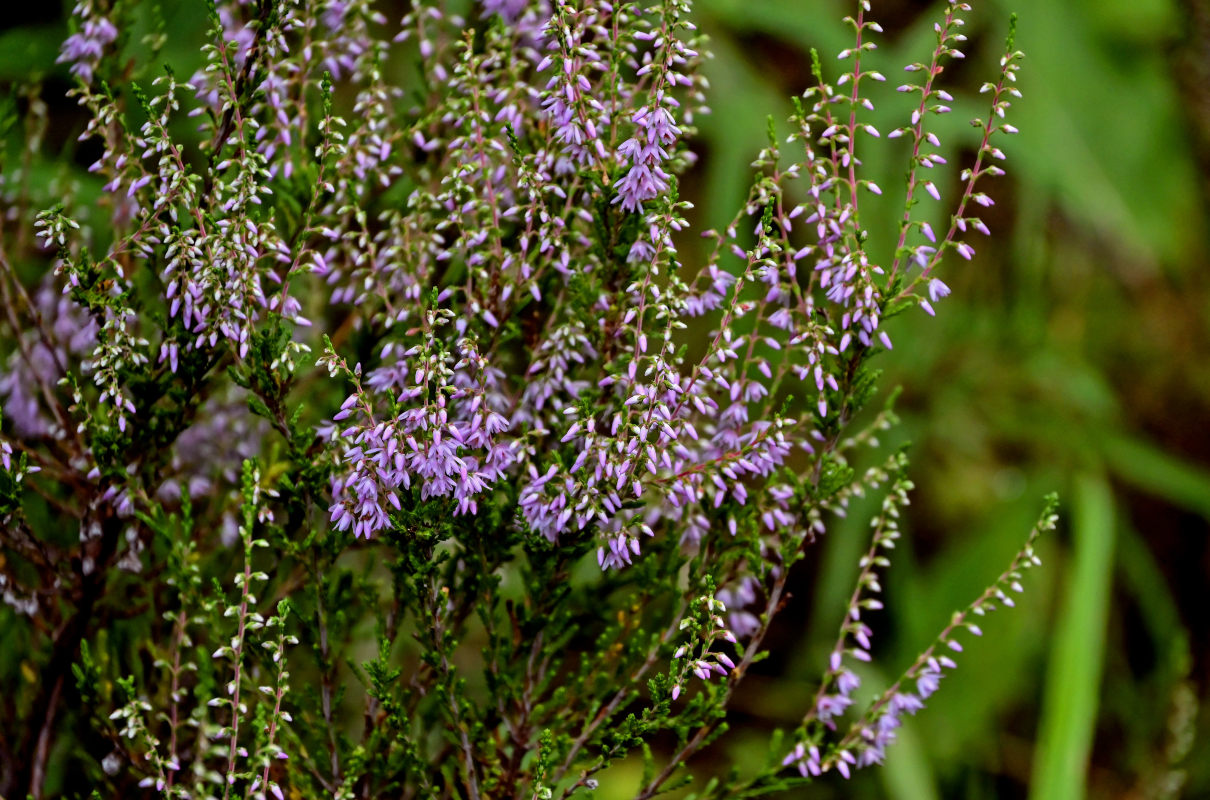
[1073,356]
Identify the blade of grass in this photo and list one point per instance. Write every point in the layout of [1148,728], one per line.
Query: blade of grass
[1149,468]
[1069,707]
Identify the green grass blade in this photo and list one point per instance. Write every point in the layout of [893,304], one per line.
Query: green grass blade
[1160,473]
[1069,709]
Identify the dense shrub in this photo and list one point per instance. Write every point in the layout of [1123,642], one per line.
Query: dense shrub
[538,505]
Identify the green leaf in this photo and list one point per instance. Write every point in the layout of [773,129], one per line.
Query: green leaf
[1159,473]
[258,407]
[1069,707]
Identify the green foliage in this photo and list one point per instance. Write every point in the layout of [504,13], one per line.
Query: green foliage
[1069,709]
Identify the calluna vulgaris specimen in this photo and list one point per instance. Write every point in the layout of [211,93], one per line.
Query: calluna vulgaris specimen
[538,508]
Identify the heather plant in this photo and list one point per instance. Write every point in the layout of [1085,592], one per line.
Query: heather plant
[369,438]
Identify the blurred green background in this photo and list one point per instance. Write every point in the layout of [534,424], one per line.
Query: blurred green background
[1074,355]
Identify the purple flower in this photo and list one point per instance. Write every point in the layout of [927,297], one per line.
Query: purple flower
[834,705]
[646,151]
[929,680]
[67,333]
[742,623]
[508,9]
[450,447]
[937,290]
[85,48]
[805,758]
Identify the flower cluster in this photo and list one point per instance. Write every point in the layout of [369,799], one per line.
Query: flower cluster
[85,48]
[39,362]
[448,441]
